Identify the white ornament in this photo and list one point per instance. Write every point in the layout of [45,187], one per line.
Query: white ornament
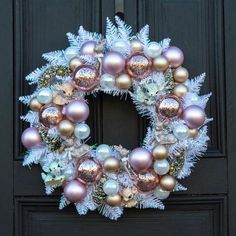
[107,81]
[181,132]
[69,173]
[82,131]
[103,152]
[161,167]
[161,194]
[120,46]
[71,52]
[153,49]
[44,95]
[111,187]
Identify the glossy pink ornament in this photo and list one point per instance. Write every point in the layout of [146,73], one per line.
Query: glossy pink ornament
[30,137]
[140,159]
[75,191]
[175,56]
[113,62]
[77,111]
[194,116]
[88,48]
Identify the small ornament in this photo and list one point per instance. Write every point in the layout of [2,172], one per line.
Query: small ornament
[77,111]
[169,107]
[89,170]
[35,105]
[153,49]
[30,137]
[181,132]
[44,96]
[86,77]
[114,200]
[161,194]
[180,90]
[138,66]
[136,45]
[181,75]
[175,56]
[88,48]
[147,181]
[140,159]
[82,131]
[161,167]
[111,164]
[103,151]
[74,63]
[160,152]
[123,81]
[167,182]
[160,63]
[113,62]
[107,81]
[69,172]
[75,191]
[50,115]
[111,187]
[194,116]
[120,46]
[71,52]
[193,133]
[66,128]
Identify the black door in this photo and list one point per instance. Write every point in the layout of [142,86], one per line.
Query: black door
[205,30]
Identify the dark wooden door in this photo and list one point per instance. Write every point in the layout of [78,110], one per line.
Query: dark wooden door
[205,30]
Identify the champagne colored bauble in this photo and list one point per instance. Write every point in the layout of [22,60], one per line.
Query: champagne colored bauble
[181,132]
[120,46]
[153,49]
[181,74]
[88,48]
[89,170]
[35,105]
[111,164]
[82,131]
[159,152]
[194,116]
[71,52]
[44,96]
[103,151]
[175,56]
[161,167]
[75,191]
[66,128]
[50,115]
[111,187]
[86,77]
[167,182]
[113,62]
[123,81]
[107,81]
[193,133]
[160,63]
[74,63]
[136,45]
[77,111]
[31,137]
[114,200]
[180,90]
[140,159]
[161,194]
[147,181]
[138,66]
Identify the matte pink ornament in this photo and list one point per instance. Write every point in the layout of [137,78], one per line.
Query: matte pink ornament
[194,116]
[75,191]
[113,62]
[140,159]
[77,111]
[30,137]
[88,48]
[175,56]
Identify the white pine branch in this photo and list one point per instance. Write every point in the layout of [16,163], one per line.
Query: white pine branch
[26,99]
[55,58]
[73,39]
[34,155]
[63,202]
[112,213]
[33,77]
[32,117]
[196,83]
[124,30]
[179,187]
[143,35]
[149,201]
[165,43]
[111,33]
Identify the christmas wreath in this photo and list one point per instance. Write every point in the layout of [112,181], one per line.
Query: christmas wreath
[103,177]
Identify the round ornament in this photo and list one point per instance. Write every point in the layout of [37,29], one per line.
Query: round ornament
[193,133]
[181,132]
[111,187]
[114,200]
[31,137]
[175,56]
[74,63]
[107,81]
[35,105]
[181,74]
[147,181]
[161,194]
[120,46]
[153,49]
[160,152]
[160,63]
[180,90]
[82,131]
[123,81]
[161,167]
[44,96]
[167,182]
[103,151]
[111,164]
[136,45]
[88,48]
[66,128]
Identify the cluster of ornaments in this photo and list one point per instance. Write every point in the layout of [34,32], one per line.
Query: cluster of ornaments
[110,177]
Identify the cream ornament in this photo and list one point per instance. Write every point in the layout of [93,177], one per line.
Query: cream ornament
[111,177]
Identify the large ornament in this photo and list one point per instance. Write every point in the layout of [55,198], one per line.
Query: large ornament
[113,63]
[31,137]
[147,181]
[88,48]
[175,56]
[167,182]
[111,187]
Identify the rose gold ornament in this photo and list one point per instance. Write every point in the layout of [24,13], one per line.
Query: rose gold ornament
[114,200]
[136,45]
[35,105]
[74,63]
[88,48]
[167,182]
[180,74]
[138,65]
[66,128]
[111,164]
[160,152]
[180,90]
[123,81]
[31,137]
[86,77]
[147,181]
[193,133]
[174,55]
[89,170]
[160,63]
[50,115]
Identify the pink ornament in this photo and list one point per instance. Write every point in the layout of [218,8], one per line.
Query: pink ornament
[194,116]
[175,56]
[75,191]
[113,62]
[31,137]
[140,159]
[88,48]
[77,111]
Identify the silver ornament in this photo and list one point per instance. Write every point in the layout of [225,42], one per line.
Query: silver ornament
[161,194]
[71,52]
[82,131]
[181,132]
[44,95]
[107,81]
[161,167]
[120,46]
[103,151]
[153,49]
[111,187]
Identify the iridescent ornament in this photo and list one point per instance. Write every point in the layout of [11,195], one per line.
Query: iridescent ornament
[103,151]
[161,167]
[35,105]
[114,200]
[86,77]
[31,137]
[107,81]
[66,128]
[44,96]
[180,90]
[138,66]
[147,181]
[71,52]
[111,187]
[111,164]
[74,63]
[153,49]
[120,46]
[181,132]
[123,81]
[175,56]
[160,63]
[160,152]
[167,182]
[88,48]
[181,74]
[136,45]
[82,131]
[161,194]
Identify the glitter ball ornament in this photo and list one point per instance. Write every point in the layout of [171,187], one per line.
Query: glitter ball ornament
[31,137]
[88,48]
[138,65]
[86,77]
[147,181]
[174,55]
